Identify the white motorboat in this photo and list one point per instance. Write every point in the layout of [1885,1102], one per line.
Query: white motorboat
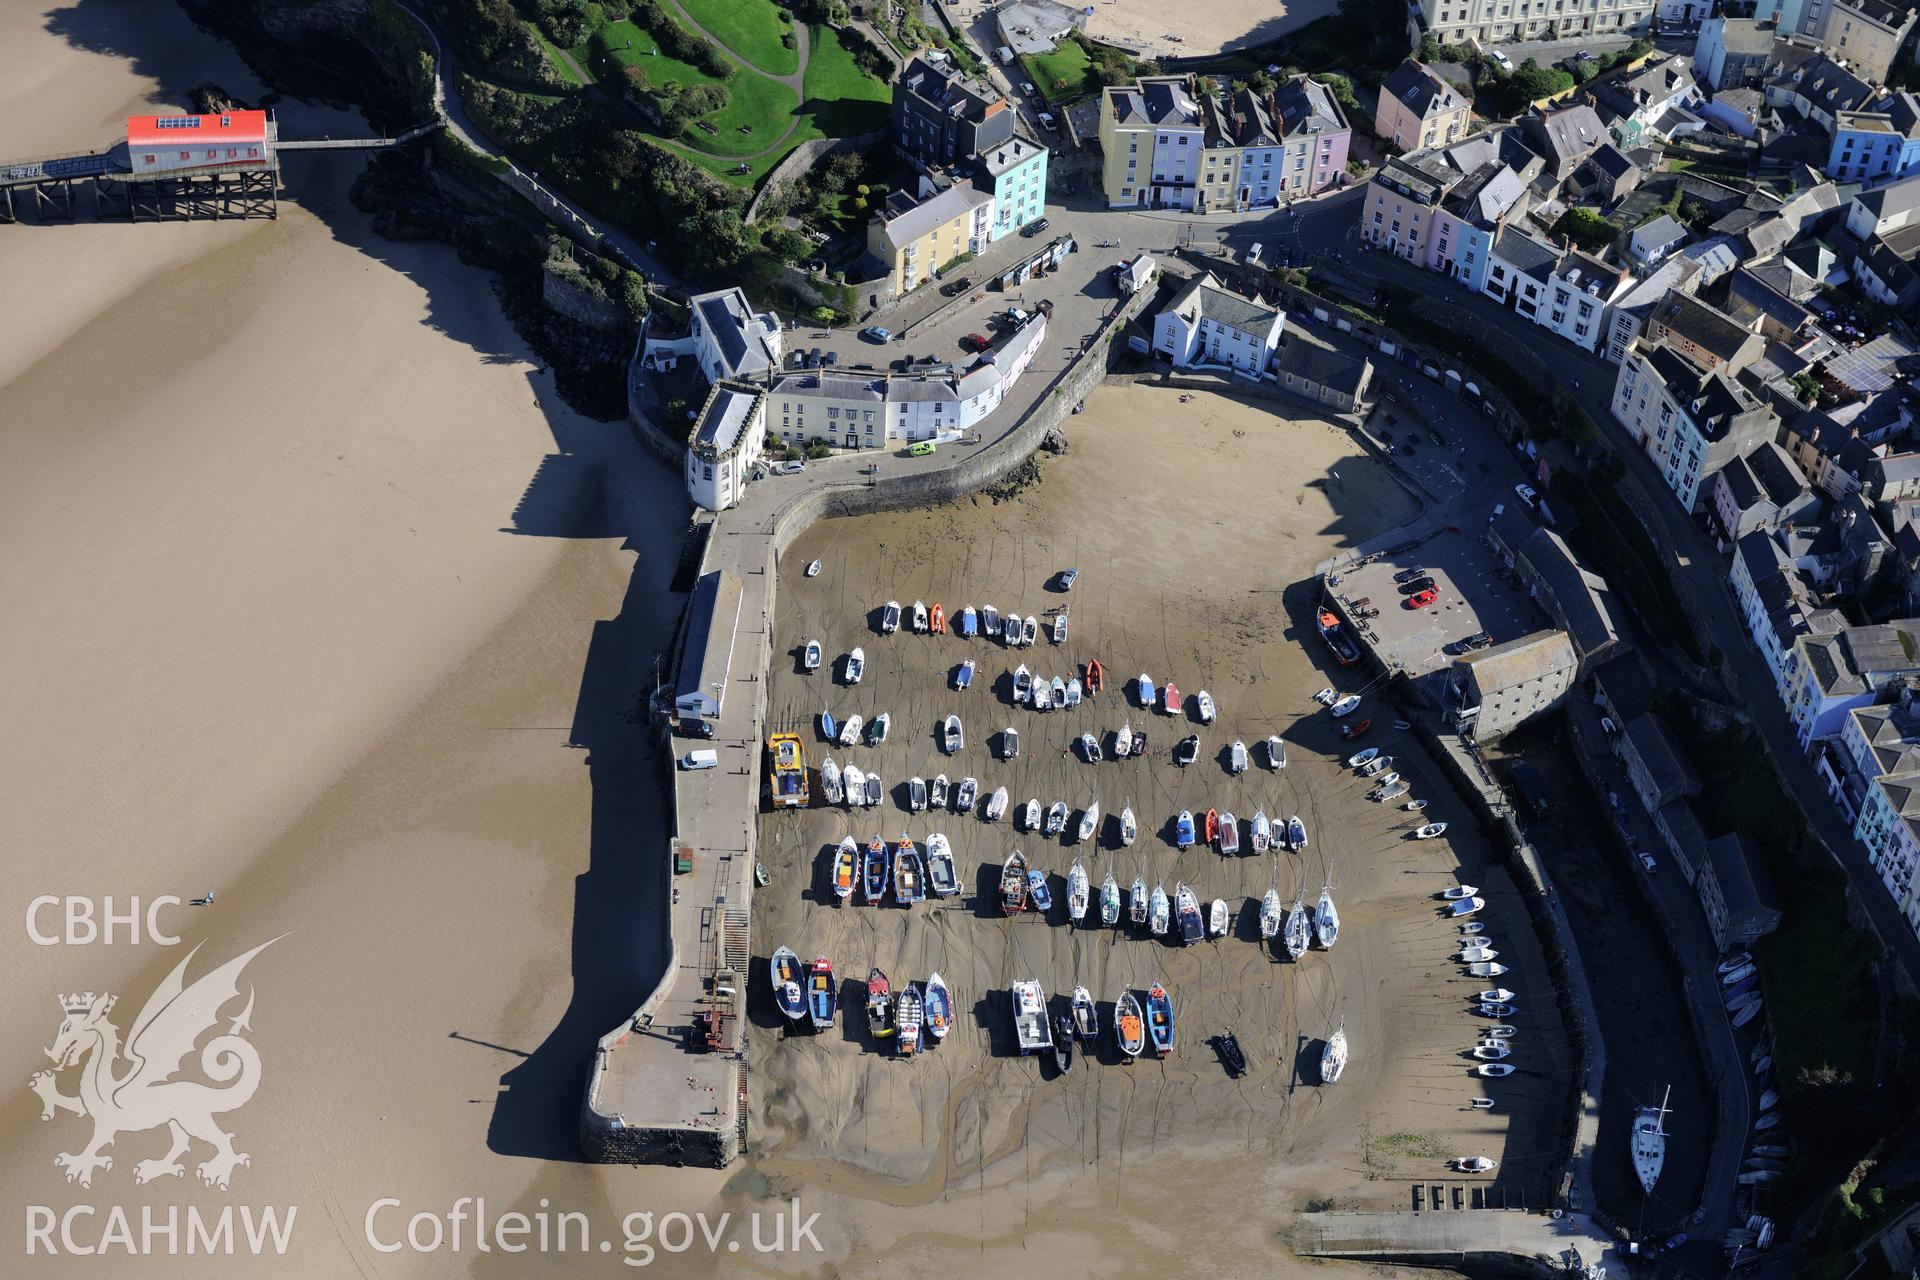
[1738,976]
[1473,1164]
[1392,791]
[937,792]
[1276,752]
[1346,705]
[1089,821]
[1159,911]
[1270,914]
[1472,927]
[1486,969]
[1090,748]
[1491,1051]
[856,785]
[1386,782]
[1032,815]
[1359,758]
[1499,1032]
[1076,692]
[1465,907]
[1480,1104]
[1057,817]
[1009,743]
[1326,919]
[963,676]
[1296,833]
[1060,627]
[952,736]
[1459,891]
[1374,765]
[1042,699]
[856,665]
[1022,684]
[942,876]
[1494,1069]
[877,731]
[990,621]
[1123,740]
[1333,1057]
[1229,834]
[1129,829]
[850,731]
[1206,708]
[1260,831]
[916,794]
[996,804]
[965,794]
[1325,697]
[1030,631]
[920,616]
[1496,995]
[813,568]
[830,780]
[1733,962]
[1475,954]
[1058,690]
[1217,918]
[1431,830]
[890,618]
[1650,1142]
[810,656]
[1078,891]
[1414,806]
[875,790]
[1237,757]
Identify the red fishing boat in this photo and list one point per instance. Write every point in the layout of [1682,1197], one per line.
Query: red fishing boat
[939,617]
[1095,677]
[1334,632]
[1213,825]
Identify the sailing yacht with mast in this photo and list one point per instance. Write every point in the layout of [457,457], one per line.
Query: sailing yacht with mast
[1650,1142]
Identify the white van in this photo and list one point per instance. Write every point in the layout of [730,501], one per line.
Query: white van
[700,760]
[1006,56]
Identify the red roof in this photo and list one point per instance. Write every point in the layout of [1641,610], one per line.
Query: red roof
[234,126]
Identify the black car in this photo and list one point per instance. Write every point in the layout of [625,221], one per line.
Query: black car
[1415,587]
[1035,227]
[1408,575]
[955,288]
[1479,640]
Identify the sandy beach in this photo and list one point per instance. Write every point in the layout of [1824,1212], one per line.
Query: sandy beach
[1207,28]
[290,619]
[1116,1163]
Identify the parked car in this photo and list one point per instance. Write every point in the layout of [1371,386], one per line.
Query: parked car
[874,333]
[920,449]
[1035,227]
[791,467]
[1478,640]
[1026,87]
[1068,577]
[1408,575]
[831,358]
[1527,495]
[954,288]
[1646,860]
[1422,600]
[1046,120]
[1418,585]
[974,342]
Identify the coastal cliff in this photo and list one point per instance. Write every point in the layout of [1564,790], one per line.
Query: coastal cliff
[368,55]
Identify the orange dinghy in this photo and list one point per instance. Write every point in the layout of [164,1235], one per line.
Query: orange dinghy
[1213,825]
[1095,677]
[939,623]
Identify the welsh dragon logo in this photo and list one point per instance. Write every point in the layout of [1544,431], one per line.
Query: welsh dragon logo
[145,1094]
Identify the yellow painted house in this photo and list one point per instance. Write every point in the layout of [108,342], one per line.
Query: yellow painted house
[915,238]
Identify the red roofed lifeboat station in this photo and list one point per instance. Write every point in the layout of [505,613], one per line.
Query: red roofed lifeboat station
[159,144]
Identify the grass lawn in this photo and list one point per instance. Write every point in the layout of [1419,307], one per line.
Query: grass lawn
[555,58]
[1065,73]
[749,28]
[752,99]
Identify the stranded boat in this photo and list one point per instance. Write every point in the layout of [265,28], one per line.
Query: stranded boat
[908,1014]
[788,978]
[1123,741]
[1089,821]
[830,781]
[1650,1142]
[909,878]
[810,656]
[890,618]
[822,995]
[1109,901]
[879,1003]
[1079,889]
[1333,1058]
[845,861]
[1039,897]
[965,794]
[1334,632]
[1056,818]
[963,676]
[1013,884]
[996,804]
[1229,835]
[952,736]
[1031,1030]
[1022,683]
[874,790]
[1183,829]
[1137,901]
[937,791]
[1030,816]
[1129,829]
[916,794]
[1160,1019]
[856,665]
[850,731]
[969,622]
[1129,1027]
[938,1002]
[1217,918]
[1237,757]
[1270,914]
[1260,832]
[873,871]
[1192,928]
[941,876]
[813,568]
[1296,833]
[1170,699]
[1158,912]
[1346,705]
[1299,931]
[919,616]
[1086,1017]
[1276,752]
[1204,705]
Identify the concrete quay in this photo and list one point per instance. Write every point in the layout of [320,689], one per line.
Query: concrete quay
[1490,1241]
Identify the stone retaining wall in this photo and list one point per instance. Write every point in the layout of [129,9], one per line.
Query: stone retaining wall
[806,156]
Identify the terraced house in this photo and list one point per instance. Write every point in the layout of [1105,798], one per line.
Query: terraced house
[1168,147]
[1500,21]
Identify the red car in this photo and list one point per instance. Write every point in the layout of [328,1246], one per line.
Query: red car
[1422,600]
[974,342]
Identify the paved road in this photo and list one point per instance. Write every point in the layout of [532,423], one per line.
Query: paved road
[448,104]
[1590,382]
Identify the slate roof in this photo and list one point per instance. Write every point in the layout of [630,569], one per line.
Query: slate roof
[1660,756]
[1740,870]
[1519,662]
[1423,92]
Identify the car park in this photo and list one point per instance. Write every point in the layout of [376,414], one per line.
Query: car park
[874,333]
[1422,600]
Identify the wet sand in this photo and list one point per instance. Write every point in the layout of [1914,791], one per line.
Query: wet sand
[1189,523]
[319,598]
